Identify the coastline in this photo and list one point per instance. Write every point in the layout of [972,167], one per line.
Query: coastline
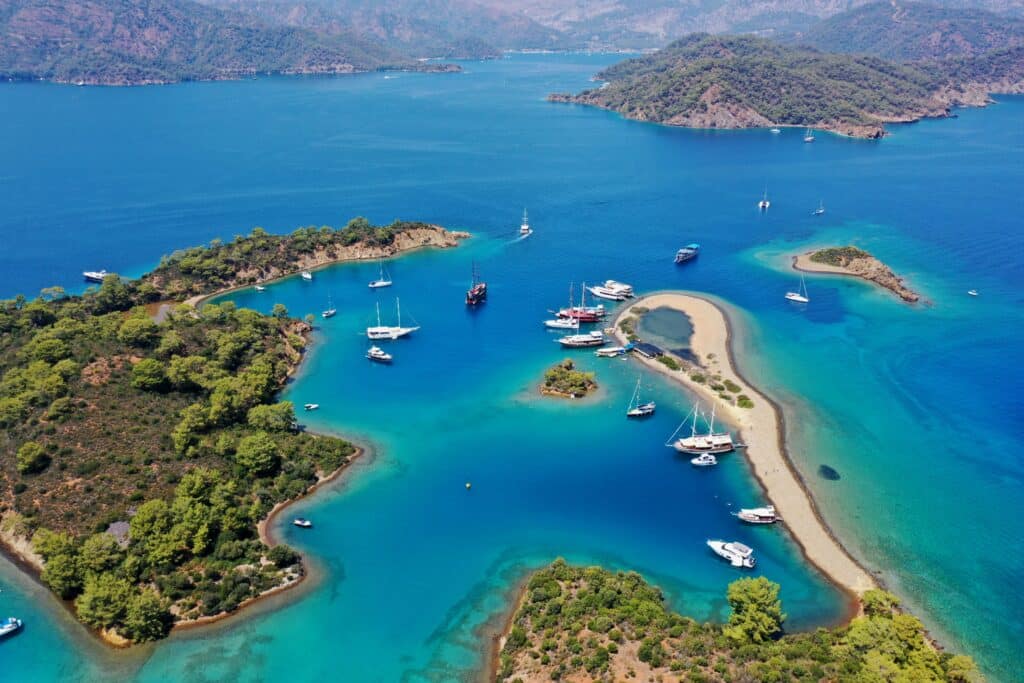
[348,254]
[882,277]
[763,429]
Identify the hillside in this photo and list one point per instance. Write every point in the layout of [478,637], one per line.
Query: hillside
[122,42]
[911,31]
[655,23]
[430,28]
[707,81]
[590,624]
[741,82]
[142,444]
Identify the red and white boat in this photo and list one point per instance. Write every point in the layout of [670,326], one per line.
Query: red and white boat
[583,313]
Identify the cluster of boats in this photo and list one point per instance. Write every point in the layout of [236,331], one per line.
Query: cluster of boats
[739,554]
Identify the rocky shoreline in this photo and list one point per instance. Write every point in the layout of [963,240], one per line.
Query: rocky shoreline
[854,262]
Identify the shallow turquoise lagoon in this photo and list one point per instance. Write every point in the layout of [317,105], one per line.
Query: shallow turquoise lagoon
[917,408]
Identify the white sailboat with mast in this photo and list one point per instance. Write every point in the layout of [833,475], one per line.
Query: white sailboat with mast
[800,296]
[383,281]
[700,444]
[637,409]
[381,331]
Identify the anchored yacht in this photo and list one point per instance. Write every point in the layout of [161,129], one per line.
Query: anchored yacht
[738,554]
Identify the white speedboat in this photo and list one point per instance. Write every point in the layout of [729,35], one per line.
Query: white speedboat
[738,554]
[260,288]
[9,626]
[302,522]
[610,351]
[578,341]
[764,203]
[776,131]
[383,281]
[94,275]
[605,293]
[636,408]
[761,515]
[563,324]
[524,227]
[378,354]
[307,276]
[311,406]
[380,331]
[697,444]
[799,296]
[619,288]
[972,292]
[704,460]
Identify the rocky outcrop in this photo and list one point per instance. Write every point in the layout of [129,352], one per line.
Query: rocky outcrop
[858,263]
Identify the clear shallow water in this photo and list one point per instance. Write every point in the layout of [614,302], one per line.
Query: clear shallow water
[918,409]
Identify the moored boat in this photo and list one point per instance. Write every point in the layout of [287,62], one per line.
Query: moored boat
[477,293]
[704,460]
[605,293]
[9,626]
[972,292]
[577,341]
[808,135]
[563,324]
[380,331]
[302,523]
[739,555]
[637,409]
[776,131]
[260,288]
[330,311]
[311,406]
[799,296]
[764,204]
[696,444]
[688,253]
[619,288]
[383,281]
[612,351]
[94,275]
[378,355]
[820,210]
[761,515]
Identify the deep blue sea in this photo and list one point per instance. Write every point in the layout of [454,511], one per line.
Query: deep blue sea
[917,408]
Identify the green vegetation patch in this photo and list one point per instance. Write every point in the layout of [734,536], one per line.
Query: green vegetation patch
[838,256]
[585,623]
[565,380]
[669,362]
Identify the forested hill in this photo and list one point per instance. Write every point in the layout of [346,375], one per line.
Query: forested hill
[120,42]
[707,81]
[451,29]
[910,31]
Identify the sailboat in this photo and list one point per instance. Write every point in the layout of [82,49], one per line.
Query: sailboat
[331,310]
[801,296]
[821,208]
[808,135]
[390,331]
[764,203]
[698,444]
[637,409]
[524,227]
[383,281]
[477,293]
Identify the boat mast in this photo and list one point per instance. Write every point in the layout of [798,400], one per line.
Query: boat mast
[693,428]
[398,305]
[378,314]
[711,426]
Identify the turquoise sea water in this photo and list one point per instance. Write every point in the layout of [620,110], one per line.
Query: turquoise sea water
[917,408]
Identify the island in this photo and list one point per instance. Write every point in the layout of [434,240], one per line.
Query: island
[564,380]
[854,262]
[587,624]
[142,458]
[706,81]
[760,422]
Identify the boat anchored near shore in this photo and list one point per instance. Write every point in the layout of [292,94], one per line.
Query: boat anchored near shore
[384,280]
[380,331]
[739,555]
[761,515]
[799,296]
[9,626]
[687,253]
[636,408]
[698,444]
[94,275]
[579,341]
[378,355]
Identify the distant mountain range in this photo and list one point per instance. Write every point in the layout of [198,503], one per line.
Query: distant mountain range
[450,29]
[706,81]
[914,31]
[654,23]
[159,41]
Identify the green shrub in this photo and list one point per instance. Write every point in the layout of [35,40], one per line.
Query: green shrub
[669,362]
[32,458]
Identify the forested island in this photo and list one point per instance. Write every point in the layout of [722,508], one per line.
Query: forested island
[565,380]
[138,456]
[705,81]
[589,624]
[850,260]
